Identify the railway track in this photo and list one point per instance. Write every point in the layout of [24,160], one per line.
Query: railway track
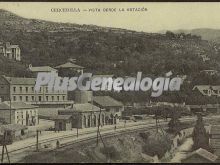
[68,140]
[54,139]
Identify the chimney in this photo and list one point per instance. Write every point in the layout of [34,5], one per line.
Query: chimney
[30,66]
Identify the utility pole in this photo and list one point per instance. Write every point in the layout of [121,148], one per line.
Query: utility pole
[37,149]
[77,129]
[156,120]
[4,148]
[10,101]
[98,131]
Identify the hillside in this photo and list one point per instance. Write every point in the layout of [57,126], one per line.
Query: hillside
[105,50]
[205,33]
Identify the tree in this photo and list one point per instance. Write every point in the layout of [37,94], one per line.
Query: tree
[170,34]
[174,124]
[200,137]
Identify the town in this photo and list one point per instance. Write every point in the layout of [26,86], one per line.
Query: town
[27,114]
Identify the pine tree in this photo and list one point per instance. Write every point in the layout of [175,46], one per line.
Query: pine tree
[200,137]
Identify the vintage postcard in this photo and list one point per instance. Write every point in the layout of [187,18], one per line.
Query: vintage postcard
[113,82]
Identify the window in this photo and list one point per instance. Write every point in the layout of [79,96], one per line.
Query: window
[26,89]
[14,89]
[209,92]
[20,89]
[46,98]
[39,98]
[58,98]
[32,97]
[32,89]
[26,98]
[14,98]
[63,97]
[20,98]
[52,98]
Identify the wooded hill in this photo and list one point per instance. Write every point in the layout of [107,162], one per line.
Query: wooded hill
[104,50]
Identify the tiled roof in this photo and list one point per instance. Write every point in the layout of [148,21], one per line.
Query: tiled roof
[61,117]
[214,140]
[215,143]
[107,101]
[21,80]
[102,76]
[201,88]
[215,129]
[3,106]
[204,153]
[15,105]
[86,107]
[42,69]
[13,46]
[69,65]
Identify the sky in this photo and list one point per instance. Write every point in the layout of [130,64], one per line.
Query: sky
[159,16]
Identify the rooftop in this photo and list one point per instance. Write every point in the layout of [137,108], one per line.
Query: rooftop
[20,80]
[69,65]
[201,88]
[215,129]
[86,107]
[15,105]
[103,76]
[203,153]
[107,101]
[42,69]
[61,117]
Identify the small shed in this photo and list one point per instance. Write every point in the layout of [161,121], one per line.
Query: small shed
[63,122]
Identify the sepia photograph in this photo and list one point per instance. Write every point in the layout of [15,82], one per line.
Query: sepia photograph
[113,82]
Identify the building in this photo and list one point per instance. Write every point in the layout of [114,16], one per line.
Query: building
[84,115]
[19,113]
[113,108]
[22,89]
[10,51]
[63,122]
[69,69]
[200,156]
[38,69]
[210,72]
[208,90]
[214,140]
[82,96]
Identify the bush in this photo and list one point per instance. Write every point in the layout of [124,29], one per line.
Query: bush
[157,144]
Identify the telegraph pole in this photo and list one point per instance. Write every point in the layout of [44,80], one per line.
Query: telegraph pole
[98,132]
[37,149]
[156,112]
[77,129]
[4,148]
